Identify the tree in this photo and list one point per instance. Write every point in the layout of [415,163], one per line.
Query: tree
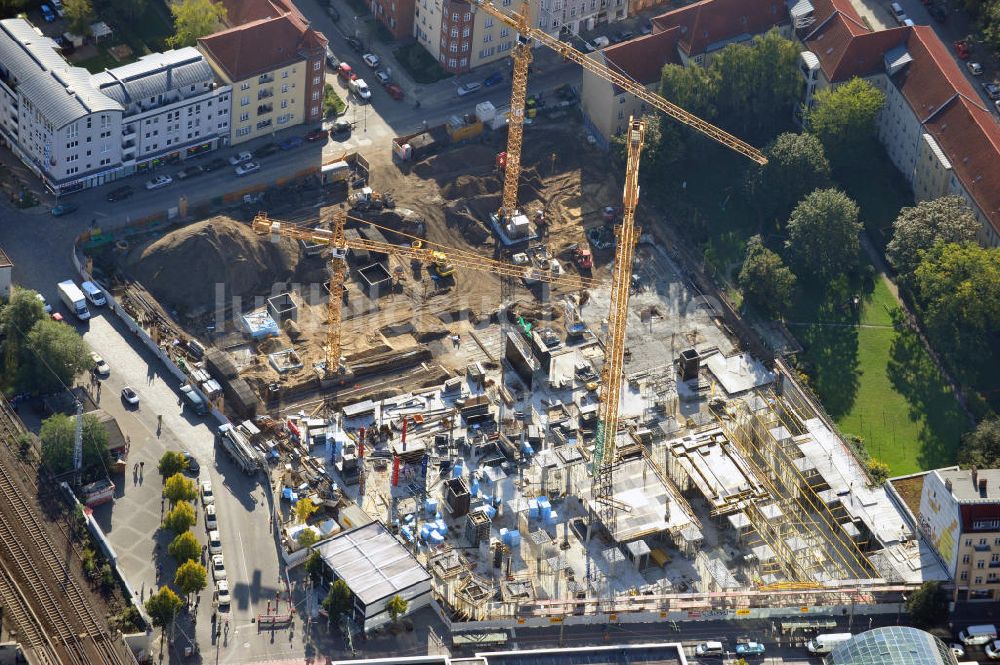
[178,488]
[191,577]
[796,165]
[844,118]
[79,16]
[764,278]
[163,606]
[22,311]
[307,538]
[947,219]
[927,605]
[304,509]
[184,547]
[129,9]
[180,518]
[314,567]
[878,470]
[11,8]
[172,463]
[194,19]
[338,600]
[823,234]
[396,607]
[58,435]
[52,356]
[958,292]
[981,446]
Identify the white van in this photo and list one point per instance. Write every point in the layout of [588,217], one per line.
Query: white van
[823,644]
[981,634]
[897,13]
[94,294]
[709,649]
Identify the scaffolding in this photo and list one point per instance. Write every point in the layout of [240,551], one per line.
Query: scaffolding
[808,544]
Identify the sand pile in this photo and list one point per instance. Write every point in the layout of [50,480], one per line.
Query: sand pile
[182,268]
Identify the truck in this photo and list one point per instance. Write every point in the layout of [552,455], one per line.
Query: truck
[427,141]
[194,399]
[824,643]
[239,448]
[74,299]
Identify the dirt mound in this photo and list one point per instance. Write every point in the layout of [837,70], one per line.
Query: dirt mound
[183,267]
[470,157]
[465,186]
[470,217]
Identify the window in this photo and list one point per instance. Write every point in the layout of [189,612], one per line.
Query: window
[465,47]
[245,85]
[465,31]
[73,131]
[284,103]
[315,96]
[966,559]
[316,80]
[452,63]
[504,32]
[463,62]
[243,131]
[468,16]
[317,65]
[454,33]
[488,23]
[487,38]
[979,580]
[964,576]
[454,16]
[245,100]
[453,47]
[244,116]
[284,88]
[980,564]
[284,74]
[315,110]
[980,525]
[487,52]
[105,121]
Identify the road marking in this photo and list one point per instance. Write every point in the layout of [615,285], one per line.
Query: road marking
[246,575]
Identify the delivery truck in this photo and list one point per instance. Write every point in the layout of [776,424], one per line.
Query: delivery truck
[74,299]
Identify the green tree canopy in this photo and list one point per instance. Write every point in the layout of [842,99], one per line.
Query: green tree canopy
[947,219]
[194,19]
[52,356]
[796,165]
[178,488]
[981,446]
[927,605]
[191,577]
[181,517]
[58,434]
[764,279]
[184,547]
[172,462]
[307,538]
[958,292]
[338,600]
[163,606]
[22,311]
[823,234]
[844,119]
[79,16]
[396,607]
[314,566]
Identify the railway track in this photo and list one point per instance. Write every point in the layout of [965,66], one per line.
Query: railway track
[47,602]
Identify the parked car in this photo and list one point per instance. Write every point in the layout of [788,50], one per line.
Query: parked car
[646,28]
[974,68]
[331,59]
[316,135]
[496,78]
[266,150]
[468,88]
[159,182]
[130,396]
[215,165]
[750,649]
[361,89]
[624,36]
[897,12]
[992,650]
[371,60]
[240,157]
[601,42]
[355,43]
[938,13]
[957,649]
[247,168]
[394,91]
[345,72]
[63,209]
[291,143]
[189,172]
[383,77]
[962,49]
[992,90]
[214,542]
[211,523]
[120,193]
[222,592]
[46,307]
[340,127]
[100,365]
[218,567]
[207,496]
[48,14]
[192,463]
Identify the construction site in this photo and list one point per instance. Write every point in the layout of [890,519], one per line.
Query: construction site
[502,365]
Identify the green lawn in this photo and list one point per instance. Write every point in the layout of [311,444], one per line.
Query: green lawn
[419,64]
[98,63]
[878,382]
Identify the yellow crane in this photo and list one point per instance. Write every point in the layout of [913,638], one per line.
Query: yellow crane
[444,259]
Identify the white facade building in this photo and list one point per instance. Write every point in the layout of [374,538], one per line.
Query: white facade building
[173,107]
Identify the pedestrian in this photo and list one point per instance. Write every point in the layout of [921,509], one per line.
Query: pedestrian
[142,467]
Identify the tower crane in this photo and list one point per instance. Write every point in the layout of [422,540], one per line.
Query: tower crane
[604,452]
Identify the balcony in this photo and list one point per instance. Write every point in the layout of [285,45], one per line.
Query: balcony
[264,93]
[127,131]
[128,144]
[265,78]
[264,109]
[981,548]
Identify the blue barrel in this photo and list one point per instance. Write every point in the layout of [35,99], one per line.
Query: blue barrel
[552,518]
[407,534]
[431,506]
[490,511]
[545,511]
[475,487]
[513,539]
[441,527]
[533,509]
[457,471]
[436,538]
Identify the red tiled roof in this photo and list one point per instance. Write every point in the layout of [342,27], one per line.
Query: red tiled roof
[712,21]
[933,77]
[240,12]
[643,58]
[261,46]
[824,9]
[846,50]
[968,134]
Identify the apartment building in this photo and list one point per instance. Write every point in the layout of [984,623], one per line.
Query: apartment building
[52,116]
[960,514]
[577,16]
[173,108]
[396,16]
[273,61]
